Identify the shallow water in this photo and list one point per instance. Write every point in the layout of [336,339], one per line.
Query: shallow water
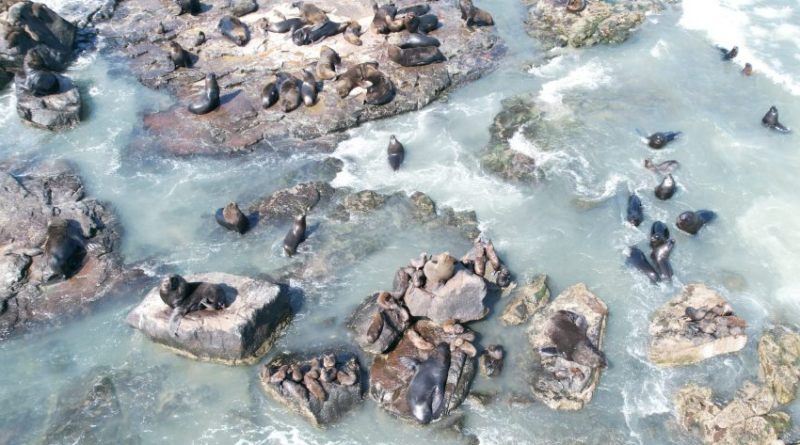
[667,77]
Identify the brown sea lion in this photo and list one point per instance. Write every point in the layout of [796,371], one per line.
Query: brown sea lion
[571,341]
[415,56]
[440,268]
[353,33]
[232,218]
[290,98]
[180,58]
[328,60]
[310,12]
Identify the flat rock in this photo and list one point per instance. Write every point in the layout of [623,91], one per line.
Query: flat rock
[676,341]
[460,298]
[395,323]
[546,388]
[779,362]
[526,301]
[52,112]
[243,332]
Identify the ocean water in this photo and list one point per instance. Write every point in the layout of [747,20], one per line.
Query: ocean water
[668,76]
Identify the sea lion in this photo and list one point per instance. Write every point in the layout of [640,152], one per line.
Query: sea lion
[329,360]
[660,257]
[353,33]
[427,23]
[491,361]
[576,6]
[571,340]
[415,56]
[491,254]
[692,222]
[417,10]
[347,377]
[294,389]
[660,139]
[232,218]
[480,257]
[502,277]
[288,25]
[439,268]
[198,296]
[63,249]
[188,6]
[314,387]
[279,375]
[295,235]
[637,259]
[242,8]
[474,16]
[38,79]
[729,55]
[409,22]
[770,120]
[664,167]
[659,234]
[666,189]
[352,78]
[635,215]
[402,279]
[234,30]
[173,289]
[180,58]
[695,314]
[313,34]
[425,394]
[269,95]
[452,327]
[375,327]
[200,39]
[461,344]
[310,12]
[308,89]
[396,153]
[747,70]
[380,90]
[415,40]
[326,66]
[210,100]
[383,15]
[295,373]
[289,93]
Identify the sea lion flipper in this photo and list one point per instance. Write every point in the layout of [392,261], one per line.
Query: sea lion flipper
[175,320]
[437,401]
[641,133]
[410,363]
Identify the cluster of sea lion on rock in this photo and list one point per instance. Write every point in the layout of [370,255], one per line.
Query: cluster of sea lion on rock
[183,297]
[718,322]
[414,47]
[567,331]
[312,377]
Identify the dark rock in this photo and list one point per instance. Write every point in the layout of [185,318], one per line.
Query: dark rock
[423,205]
[286,204]
[52,112]
[31,24]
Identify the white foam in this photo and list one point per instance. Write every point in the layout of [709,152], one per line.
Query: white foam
[655,51]
[586,77]
[772,13]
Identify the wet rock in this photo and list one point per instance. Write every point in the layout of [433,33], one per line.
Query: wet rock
[677,340]
[364,201]
[526,301]
[422,205]
[256,313]
[52,112]
[32,195]
[779,362]
[389,378]
[328,389]
[490,362]
[28,25]
[460,298]
[286,204]
[391,325]
[544,372]
[324,170]
[240,123]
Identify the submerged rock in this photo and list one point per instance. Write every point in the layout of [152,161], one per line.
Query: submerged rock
[526,301]
[256,313]
[695,325]
[779,362]
[52,112]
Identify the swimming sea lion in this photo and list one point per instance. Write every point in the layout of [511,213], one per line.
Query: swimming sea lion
[232,218]
[396,153]
[637,259]
[383,15]
[415,56]
[415,40]
[313,34]
[660,257]
[576,6]
[269,95]
[38,79]
[234,30]
[439,268]
[200,39]
[353,33]
[380,90]
[295,235]
[289,93]
[210,100]
[417,10]
[189,6]
[659,140]
[635,215]
[308,89]
[666,189]
[474,16]
[664,167]
[729,55]
[288,25]
[326,66]
[692,222]
[425,394]
[571,340]
[491,361]
[178,55]
[63,249]
[659,234]
[310,12]
[747,70]
[770,120]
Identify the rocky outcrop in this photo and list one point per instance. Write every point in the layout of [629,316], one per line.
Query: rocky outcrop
[551,384]
[321,387]
[31,197]
[526,301]
[695,325]
[460,298]
[52,112]
[779,362]
[256,313]
[240,123]
[747,420]
[378,326]
[27,25]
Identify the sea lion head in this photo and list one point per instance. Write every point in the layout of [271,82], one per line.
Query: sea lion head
[34,60]
[171,283]
[658,139]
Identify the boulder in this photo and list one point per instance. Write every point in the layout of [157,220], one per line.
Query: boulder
[460,298]
[319,401]
[389,378]
[395,322]
[52,112]
[675,340]
[573,393]
[29,24]
[526,301]
[257,312]
[286,204]
[779,362]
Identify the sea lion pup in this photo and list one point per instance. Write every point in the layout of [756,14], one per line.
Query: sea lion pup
[418,341]
[234,30]
[38,79]
[381,90]
[474,16]
[278,375]
[440,268]
[295,236]
[400,282]
[383,16]
[571,340]
[313,34]
[666,189]
[180,58]
[310,12]
[353,33]
[425,394]
[634,214]
[576,6]
[210,100]
[491,361]
[269,95]
[660,139]
[308,89]
[414,40]
[63,249]
[692,222]
[328,60]
[461,344]
[659,234]
[480,257]
[770,120]
[287,25]
[637,259]
[729,55]
[396,153]
[747,70]
[173,289]
[415,56]
[200,39]
[232,218]
[664,167]
[188,6]
[289,93]
[660,257]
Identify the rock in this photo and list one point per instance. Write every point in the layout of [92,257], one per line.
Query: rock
[52,112]
[422,205]
[572,394]
[240,123]
[27,203]
[242,333]
[779,362]
[461,298]
[676,341]
[337,398]
[364,200]
[29,24]
[286,204]
[395,322]
[526,301]
[389,379]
